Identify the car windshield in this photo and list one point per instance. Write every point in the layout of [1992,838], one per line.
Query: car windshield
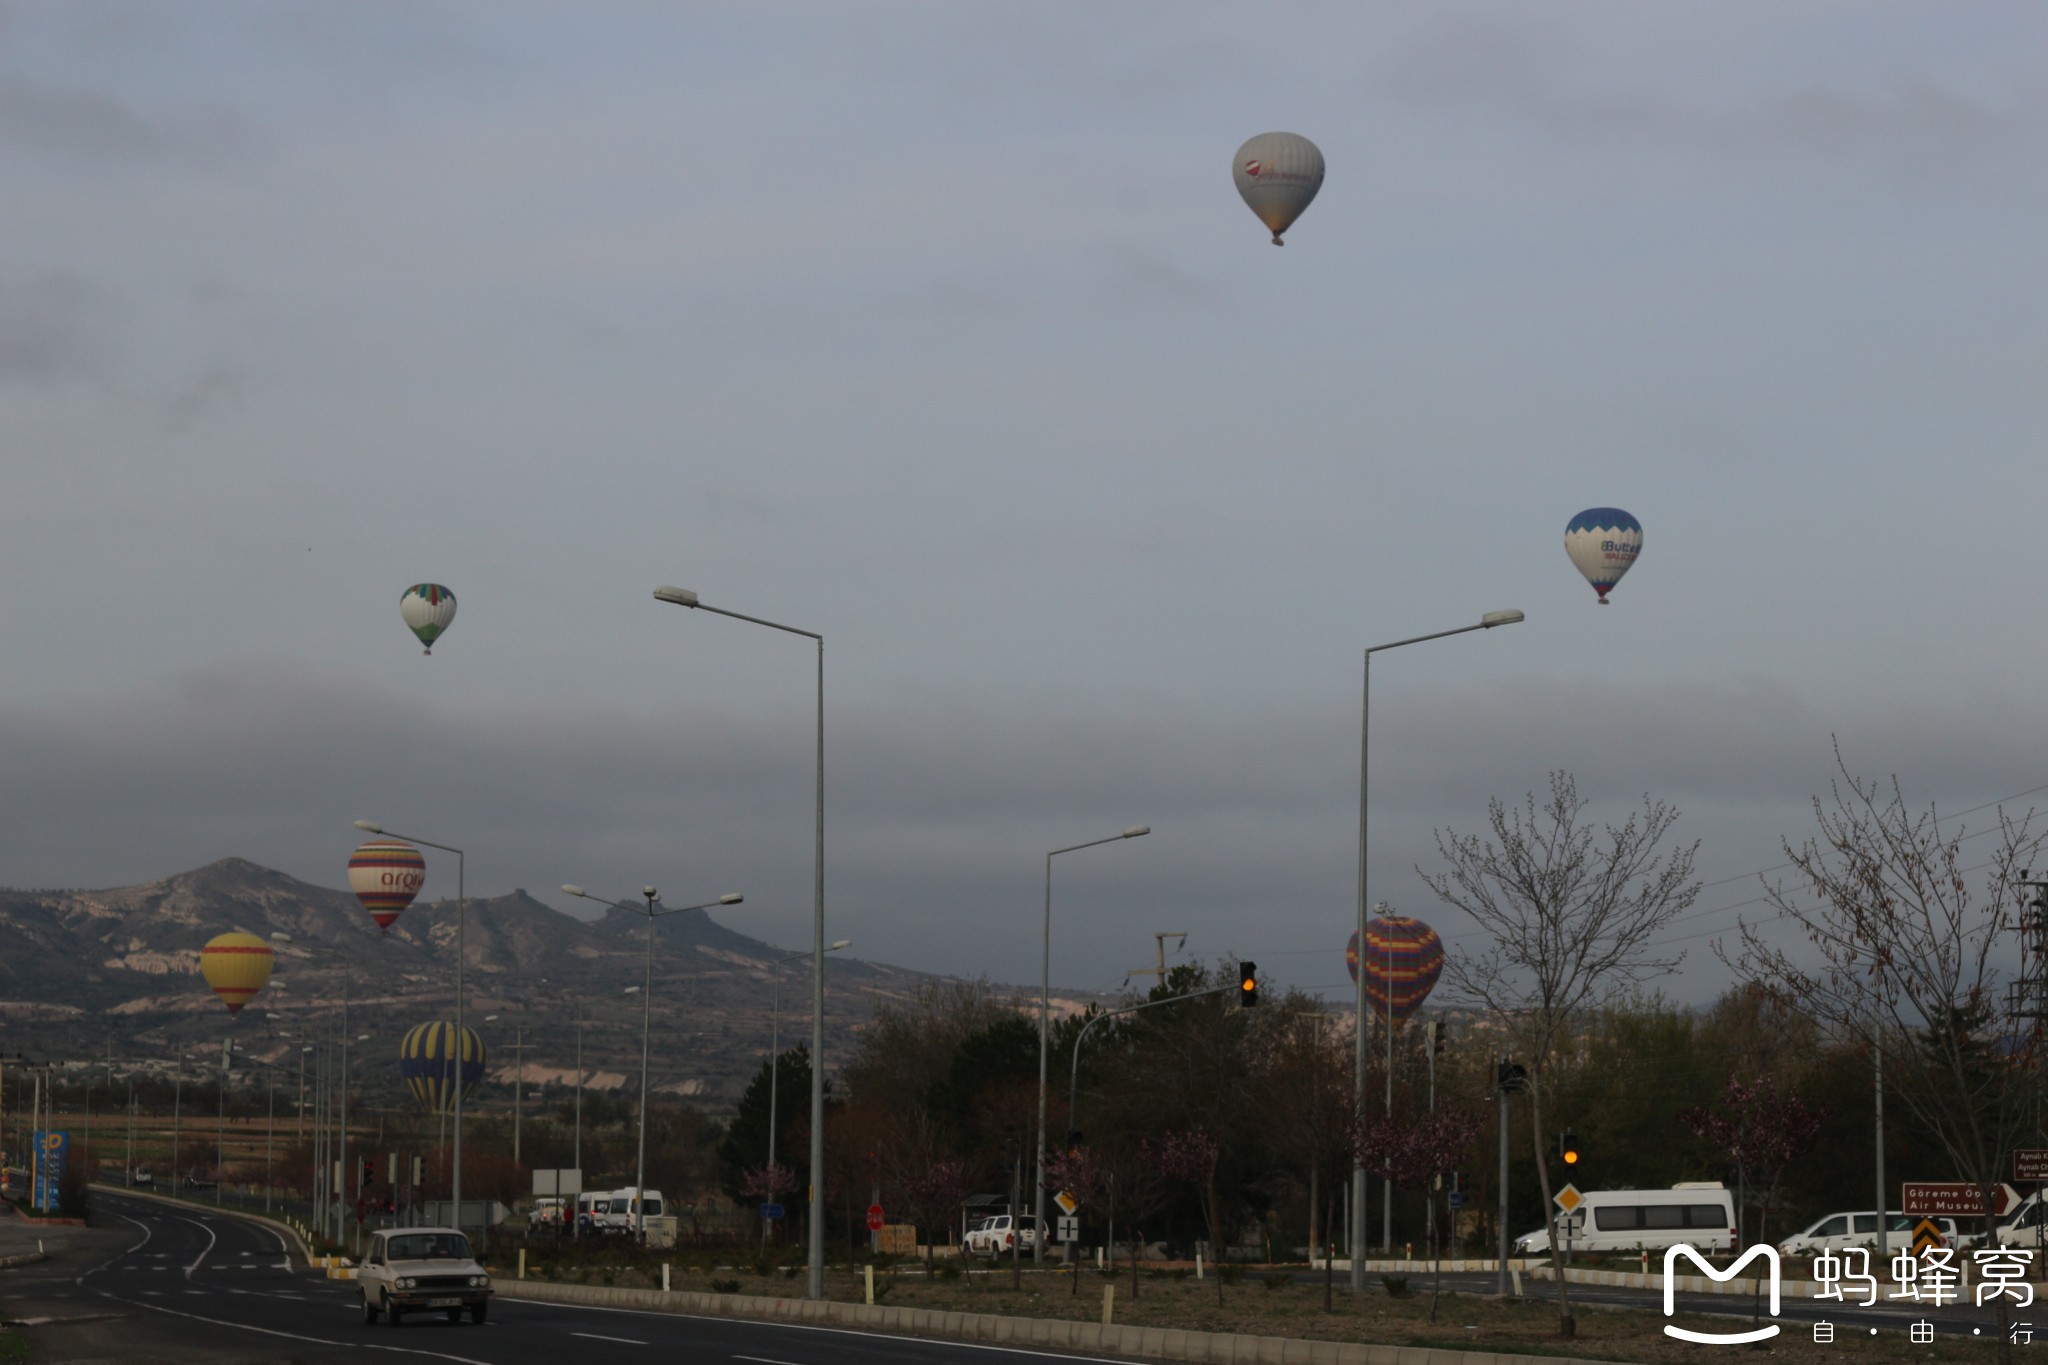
[429,1246]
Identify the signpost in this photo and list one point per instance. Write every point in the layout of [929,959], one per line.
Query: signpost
[1069,1228]
[1065,1199]
[1926,1236]
[874,1218]
[1457,1200]
[772,1212]
[47,1175]
[2030,1163]
[1569,1198]
[1954,1199]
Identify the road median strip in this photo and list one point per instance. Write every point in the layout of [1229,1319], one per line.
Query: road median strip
[1152,1343]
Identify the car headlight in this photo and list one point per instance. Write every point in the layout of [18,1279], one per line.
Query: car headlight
[407,1282]
[479,1280]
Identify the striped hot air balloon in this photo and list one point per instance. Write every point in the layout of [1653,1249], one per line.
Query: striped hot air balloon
[427,608]
[386,874]
[1603,543]
[1404,957]
[426,1059]
[1277,175]
[236,965]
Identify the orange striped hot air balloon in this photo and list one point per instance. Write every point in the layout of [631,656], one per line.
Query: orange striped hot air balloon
[236,965]
[386,874]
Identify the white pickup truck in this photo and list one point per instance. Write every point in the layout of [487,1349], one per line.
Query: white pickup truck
[993,1237]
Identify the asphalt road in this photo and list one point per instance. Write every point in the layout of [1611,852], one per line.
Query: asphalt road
[158,1283]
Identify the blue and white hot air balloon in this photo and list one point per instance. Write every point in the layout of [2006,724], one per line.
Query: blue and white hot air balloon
[1603,542]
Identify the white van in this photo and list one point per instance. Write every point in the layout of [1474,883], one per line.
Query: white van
[1840,1231]
[621,1207]
[1697,1213]
[2028,1226]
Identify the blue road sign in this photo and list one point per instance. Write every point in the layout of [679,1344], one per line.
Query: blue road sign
[1457,1199]
[772,1212]
[50,1150]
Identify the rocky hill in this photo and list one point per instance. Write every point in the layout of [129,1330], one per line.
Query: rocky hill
[88,971]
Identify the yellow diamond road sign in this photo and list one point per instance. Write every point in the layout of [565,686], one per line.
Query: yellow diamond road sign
[1066,1201]
[1569,1199]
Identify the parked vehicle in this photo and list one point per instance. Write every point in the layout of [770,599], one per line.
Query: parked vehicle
[1699,1214]
[589,1207]
[622,1206]
[547,1212]
[2028,1225]
[409,1270]
[993,1236]
[1839,1231]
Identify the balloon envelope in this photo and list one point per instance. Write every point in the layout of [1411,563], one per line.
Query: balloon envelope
[1278,175]
[427,609]
[427,1061]
[386,874]
[1404,957]
[236,965]
[1603,542]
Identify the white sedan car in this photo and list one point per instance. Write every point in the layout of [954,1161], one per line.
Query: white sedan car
[409,1270]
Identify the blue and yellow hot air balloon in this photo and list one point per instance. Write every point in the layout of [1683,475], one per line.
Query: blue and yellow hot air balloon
[1603,542]
[426,1059]
[1403,958]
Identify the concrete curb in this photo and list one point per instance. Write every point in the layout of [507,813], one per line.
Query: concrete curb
[26,1258]
[1151,1343]
[305,1252]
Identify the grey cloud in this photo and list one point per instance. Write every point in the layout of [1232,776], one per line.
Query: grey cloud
[1519,67]
[86,125]
[58,327]
[939,810]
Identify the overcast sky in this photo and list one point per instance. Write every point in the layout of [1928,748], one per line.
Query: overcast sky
[941,330]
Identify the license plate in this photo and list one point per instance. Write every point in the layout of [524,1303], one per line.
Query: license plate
[444,1303]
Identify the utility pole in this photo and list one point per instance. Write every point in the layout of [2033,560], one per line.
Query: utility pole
[1158,971]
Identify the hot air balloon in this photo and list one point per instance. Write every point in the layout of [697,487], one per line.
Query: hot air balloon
[1404,957]
[386,874]
[427,609]
[236,965]
[1278,174]
[426,1058]
[1603,542]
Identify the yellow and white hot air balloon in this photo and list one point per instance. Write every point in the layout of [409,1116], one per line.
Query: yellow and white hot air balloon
[236,965]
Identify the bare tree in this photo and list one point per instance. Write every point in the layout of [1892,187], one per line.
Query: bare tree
[1915,963]
[1571,910]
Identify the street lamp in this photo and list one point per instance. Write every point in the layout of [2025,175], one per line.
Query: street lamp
[1486,622]
[815,1284]
[775,1049]
[461,1038]
[653,912]
[1044,1027]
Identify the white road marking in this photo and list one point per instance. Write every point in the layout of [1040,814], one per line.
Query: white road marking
[210,1241]
[765,1360]
[626,1341]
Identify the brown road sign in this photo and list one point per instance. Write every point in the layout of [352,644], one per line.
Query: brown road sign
[1954,1199]
[2030,1163]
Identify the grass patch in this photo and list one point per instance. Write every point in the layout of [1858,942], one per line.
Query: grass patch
[13,1346]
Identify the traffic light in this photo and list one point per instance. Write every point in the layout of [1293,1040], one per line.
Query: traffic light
[1247,984]
[1511,1076]
[1568,1147]
[369,1172]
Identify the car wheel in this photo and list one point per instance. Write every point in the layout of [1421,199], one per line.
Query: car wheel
[477,1312]
[390,1310]
[369,1309]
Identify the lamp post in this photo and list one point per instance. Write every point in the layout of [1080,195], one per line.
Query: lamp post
[815,1283]
[461,1038]
[653,912]
[1044,1028]
[1486,622]
[775,1047]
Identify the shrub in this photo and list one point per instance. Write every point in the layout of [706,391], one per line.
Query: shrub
[1397,1286]
[725,1286]
[950,1271]
[1230,1272]
[1272,1282]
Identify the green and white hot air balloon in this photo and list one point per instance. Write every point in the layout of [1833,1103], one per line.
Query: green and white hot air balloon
[427,608]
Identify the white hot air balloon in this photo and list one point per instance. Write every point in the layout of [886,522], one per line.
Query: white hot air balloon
[1278,174]
[427,609]
[1603,543]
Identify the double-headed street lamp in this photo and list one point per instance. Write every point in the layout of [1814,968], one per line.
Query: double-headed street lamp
[653,911]
[1486,622]
[461,1038]
[815,1284]
[1044,1026]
